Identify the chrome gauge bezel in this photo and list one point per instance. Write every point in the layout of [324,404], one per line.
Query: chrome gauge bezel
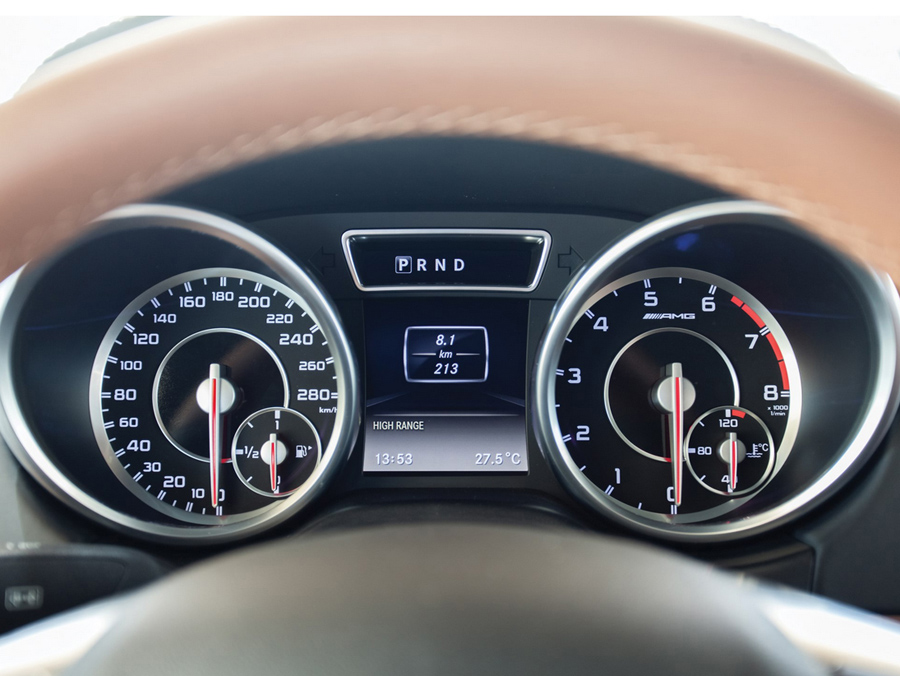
[97,373]
[771,469]
[790,361]
[604,271]
[23,442]
[243,426]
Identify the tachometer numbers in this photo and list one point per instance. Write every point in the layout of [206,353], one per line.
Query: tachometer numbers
[649,356]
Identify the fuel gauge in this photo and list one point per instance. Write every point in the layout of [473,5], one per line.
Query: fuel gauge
[730,451]
[275,450]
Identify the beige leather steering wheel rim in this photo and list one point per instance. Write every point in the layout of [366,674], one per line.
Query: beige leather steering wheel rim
[728,111]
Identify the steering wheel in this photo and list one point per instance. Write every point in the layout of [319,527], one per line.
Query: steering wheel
[112,125]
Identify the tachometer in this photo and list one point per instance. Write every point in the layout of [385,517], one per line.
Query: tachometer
[187,368]
[704,378]
[676,397]
[651,357]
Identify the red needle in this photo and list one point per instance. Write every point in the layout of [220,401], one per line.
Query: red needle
[734,461]
[678,415]
[215,430]
[273,443]
[672,396]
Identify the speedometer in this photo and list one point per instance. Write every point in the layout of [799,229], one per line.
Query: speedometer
[677,395]
[193,362]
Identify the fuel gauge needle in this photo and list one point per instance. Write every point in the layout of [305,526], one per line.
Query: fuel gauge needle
[273,444]
[215,430]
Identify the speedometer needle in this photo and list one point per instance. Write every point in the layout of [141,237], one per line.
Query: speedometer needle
[216,396]
[215,429]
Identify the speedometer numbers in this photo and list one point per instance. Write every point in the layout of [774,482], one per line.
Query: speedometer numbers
[676,395]
[214,395]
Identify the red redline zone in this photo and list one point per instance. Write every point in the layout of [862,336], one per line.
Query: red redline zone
[737,414]
[755,317]
[784,375]
[775,347]
[777,350]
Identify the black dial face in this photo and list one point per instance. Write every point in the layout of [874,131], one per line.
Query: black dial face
[677,395]
[275,450]
[187,367]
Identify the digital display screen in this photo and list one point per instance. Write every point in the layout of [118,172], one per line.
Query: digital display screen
[391,259]
[445,385]
[446,354]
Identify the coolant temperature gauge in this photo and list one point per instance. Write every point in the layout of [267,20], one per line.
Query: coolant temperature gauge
[730,451]
[275,450]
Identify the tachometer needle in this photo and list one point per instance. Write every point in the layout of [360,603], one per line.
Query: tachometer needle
[215,429]
[673,395]
[676,425]
[273,445]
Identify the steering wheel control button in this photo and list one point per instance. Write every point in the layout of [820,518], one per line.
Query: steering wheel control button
[435,259]
[29,597]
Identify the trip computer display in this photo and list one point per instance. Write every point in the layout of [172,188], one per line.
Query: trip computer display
[446,354]
[446,385]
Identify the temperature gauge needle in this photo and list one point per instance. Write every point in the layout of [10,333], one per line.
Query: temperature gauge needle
[732,460]
[273,445]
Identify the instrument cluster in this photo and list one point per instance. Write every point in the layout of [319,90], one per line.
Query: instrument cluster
[708,375]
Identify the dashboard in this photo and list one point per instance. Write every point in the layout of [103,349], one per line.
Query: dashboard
[706,377]
[421,338]
[213,394]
